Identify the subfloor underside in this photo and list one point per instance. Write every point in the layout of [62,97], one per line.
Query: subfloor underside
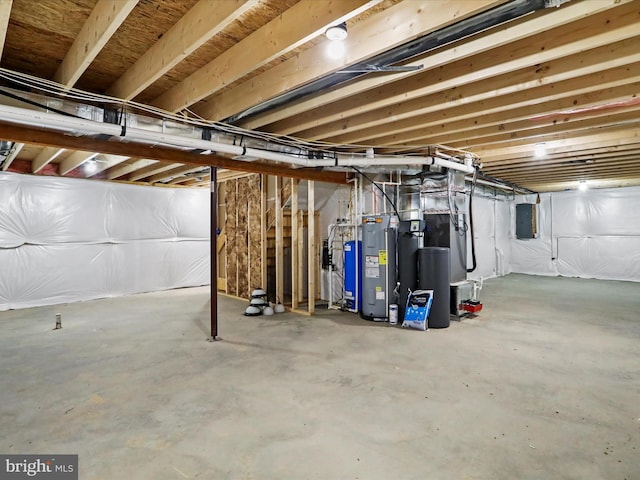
[544,384]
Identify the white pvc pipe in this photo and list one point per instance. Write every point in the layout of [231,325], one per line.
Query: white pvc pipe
[52,121]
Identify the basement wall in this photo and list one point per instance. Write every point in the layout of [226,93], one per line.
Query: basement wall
[65,239]
[590,234]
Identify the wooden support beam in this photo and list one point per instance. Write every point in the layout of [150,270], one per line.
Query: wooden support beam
[311,247]
[295,252]
[15,151]
[279,241]
[205,20]
[5,14]
[106,17]
[407,20]
[301,23]
[45,157]
[74,160]
[48,138]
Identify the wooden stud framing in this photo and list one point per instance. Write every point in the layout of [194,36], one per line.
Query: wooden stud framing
[264,179]
[279,240]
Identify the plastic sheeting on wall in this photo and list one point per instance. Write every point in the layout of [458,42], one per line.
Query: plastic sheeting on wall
[64,239]
[491,225]
[590,234]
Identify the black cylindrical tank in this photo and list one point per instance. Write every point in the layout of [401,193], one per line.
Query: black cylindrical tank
[407,268]
[434,274]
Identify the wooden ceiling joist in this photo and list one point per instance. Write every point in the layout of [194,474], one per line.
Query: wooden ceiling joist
[178,171]
[302,22]
[441,65]
[74,160]
[408,20]
[128,166]
[104,20]
[104,162]
[5,13]
[45,157]
[15,151]
[205,20]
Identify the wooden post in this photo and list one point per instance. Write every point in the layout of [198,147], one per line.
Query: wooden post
[279,241]
[311,247]
[263,221]
[295,253]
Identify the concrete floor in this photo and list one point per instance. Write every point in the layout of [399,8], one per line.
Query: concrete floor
[544,384]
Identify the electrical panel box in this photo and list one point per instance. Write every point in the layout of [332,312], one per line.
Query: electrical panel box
[379,235]
[526,221]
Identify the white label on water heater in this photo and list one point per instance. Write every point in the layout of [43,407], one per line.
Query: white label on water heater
[371,266]
[380,295]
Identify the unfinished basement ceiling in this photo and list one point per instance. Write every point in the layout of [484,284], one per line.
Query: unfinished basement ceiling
[564,79]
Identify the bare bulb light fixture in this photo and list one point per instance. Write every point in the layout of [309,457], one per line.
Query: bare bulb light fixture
[540,150]
[337,32]
[582,186]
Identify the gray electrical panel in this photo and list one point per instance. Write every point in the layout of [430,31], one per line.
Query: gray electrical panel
[526,222]
[379,233]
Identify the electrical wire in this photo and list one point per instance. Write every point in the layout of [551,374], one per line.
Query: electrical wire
[322,150]
[383,192]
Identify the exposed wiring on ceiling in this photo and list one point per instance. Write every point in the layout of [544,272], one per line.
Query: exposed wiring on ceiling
[187,117]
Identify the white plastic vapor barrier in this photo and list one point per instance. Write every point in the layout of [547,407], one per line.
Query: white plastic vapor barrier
[64,239]
[590,234]
[490,231]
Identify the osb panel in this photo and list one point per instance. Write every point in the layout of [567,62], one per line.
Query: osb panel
[147,23]
[256,17]
[242,238]
[255,233]
[230,229]
[40,33]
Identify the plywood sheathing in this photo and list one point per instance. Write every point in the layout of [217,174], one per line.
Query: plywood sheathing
[230,229]
[255,232]
[43,36]
[242,236]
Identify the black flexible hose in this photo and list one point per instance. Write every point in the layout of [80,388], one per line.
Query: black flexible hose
[473,240]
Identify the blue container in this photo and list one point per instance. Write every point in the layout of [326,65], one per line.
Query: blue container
[353,274]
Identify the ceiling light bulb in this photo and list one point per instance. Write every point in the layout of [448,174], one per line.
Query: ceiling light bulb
[335,50]
[540,150]
[337,32]
[582,186]
[90,166]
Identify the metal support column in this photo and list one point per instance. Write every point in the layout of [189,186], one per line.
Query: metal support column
[214,255]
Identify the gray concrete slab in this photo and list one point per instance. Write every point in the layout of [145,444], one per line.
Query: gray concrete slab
[545,383]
